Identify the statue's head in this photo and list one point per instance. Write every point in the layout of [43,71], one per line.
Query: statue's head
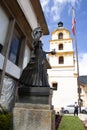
[37,33]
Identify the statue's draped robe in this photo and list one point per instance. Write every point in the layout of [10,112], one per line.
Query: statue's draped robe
[35,73]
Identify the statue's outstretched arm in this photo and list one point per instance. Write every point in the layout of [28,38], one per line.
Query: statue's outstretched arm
[53,52]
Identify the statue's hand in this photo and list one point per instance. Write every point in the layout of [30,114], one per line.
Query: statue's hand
[53,52]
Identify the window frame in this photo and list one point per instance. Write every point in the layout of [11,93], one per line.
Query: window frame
[54,85]
[60,35]
[61,60]
[19,35]
[60,46]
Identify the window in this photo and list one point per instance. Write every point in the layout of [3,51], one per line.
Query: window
[60,35]
[61,60]
[60,46]
[4,24]
[15,47]
[54,86]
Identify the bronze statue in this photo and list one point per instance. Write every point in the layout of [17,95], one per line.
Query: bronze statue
[35,73]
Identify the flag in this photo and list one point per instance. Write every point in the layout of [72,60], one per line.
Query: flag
[73,22]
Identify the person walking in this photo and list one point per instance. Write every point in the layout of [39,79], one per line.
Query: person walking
[76,109]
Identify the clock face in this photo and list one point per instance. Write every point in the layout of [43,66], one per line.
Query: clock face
[37,33]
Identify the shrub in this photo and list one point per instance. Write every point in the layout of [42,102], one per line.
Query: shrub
[5,118]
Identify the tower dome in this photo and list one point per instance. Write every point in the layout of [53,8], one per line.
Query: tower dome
[60,24]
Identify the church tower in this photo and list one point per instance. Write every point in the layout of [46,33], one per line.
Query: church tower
[63,75]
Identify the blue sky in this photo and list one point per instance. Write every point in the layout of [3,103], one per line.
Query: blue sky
[61,10]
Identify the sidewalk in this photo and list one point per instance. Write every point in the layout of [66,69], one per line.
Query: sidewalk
[83,118]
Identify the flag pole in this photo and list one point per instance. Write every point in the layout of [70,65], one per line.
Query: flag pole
[79,90]
[76,49]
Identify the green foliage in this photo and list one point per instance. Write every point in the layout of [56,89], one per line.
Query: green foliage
[5,119]
[71,123]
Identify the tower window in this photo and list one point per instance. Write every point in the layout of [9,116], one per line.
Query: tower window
[61,60]
[54,86]
[60,35]
[60,46]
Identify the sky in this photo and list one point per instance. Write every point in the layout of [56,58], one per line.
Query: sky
[61,10]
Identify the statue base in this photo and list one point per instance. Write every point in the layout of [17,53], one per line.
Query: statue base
[28,116]
[36,95]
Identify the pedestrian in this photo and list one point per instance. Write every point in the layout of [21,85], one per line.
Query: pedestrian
[76,109]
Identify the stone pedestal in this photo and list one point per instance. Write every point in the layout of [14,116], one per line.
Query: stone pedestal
[27,116]
[35,95]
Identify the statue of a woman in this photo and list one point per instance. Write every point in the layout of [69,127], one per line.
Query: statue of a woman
[35,73]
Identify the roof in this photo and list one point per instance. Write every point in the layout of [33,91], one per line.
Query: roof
[40,15]
[83,80]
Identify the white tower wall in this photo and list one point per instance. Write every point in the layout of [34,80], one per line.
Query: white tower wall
[63,74]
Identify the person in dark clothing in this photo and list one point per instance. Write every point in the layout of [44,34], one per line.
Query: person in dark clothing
[76,109]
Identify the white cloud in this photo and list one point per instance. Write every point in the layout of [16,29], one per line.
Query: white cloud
[67,1]
[54,8]
[56,12]
[83,64]
[45,5]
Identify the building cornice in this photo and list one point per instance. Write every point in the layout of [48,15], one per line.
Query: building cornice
[61,30]
[63,66]
[59,40]
[62,53]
